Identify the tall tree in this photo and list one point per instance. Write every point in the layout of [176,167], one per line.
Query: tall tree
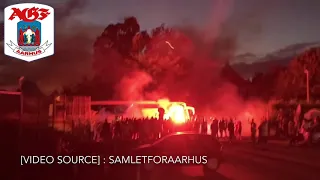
[113,53]
[114,45]
[169,53]
[292,83]
[263,84]
[165,54]
[123,46]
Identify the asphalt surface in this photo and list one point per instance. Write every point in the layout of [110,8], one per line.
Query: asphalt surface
[276,161]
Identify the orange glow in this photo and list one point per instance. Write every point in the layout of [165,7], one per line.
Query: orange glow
[164,103]
[173,110]
[177,113]
[150,112]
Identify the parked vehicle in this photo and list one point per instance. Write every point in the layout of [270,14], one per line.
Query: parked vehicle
[183,143]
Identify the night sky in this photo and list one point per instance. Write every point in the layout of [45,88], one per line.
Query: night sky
[261,26]
[272,25]
[258,26]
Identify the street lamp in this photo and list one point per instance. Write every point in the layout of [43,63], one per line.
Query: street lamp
[308,86]
[21,79]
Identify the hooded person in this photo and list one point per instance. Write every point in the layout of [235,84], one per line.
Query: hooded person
[263,132]
[98,123]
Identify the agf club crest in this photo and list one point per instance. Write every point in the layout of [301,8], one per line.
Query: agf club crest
[29,31]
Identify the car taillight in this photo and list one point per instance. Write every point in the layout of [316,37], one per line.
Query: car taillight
[221,147]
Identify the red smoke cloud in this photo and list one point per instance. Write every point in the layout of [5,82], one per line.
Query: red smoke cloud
[203,87]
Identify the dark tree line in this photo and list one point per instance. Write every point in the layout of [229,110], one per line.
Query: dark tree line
[290,83]
[123,48]
[167,53]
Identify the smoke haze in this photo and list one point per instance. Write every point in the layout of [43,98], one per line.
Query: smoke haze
[73,51]
[209,48]
[204,87]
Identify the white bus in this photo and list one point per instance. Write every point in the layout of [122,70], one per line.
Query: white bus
[177,111]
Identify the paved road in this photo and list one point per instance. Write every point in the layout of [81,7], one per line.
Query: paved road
[243,161]
[275,161]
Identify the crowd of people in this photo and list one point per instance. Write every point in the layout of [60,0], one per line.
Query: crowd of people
[125,131]
[150,129]
[144,129]
[305,132]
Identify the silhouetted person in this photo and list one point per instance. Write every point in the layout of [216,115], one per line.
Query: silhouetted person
[231,130]
[204,127]
[263,132]
[253,127]
[197,125]
[239,129]
[106,132]
[117,129]
[222,127]
[296,135]
[214,127]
